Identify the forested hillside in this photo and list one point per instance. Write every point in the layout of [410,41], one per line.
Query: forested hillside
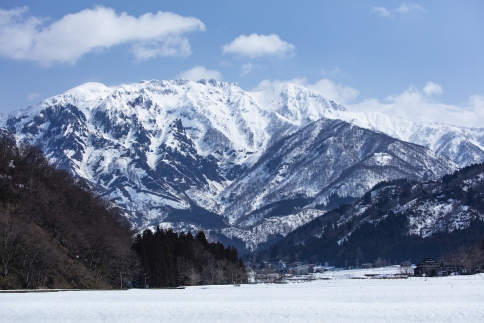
[55,233]
[397,220]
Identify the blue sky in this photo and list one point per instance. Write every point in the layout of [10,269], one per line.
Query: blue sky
[419,60]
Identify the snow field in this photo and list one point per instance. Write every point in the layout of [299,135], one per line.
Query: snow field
[449,299]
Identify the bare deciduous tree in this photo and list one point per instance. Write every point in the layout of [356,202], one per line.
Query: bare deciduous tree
[10,240]
[380,262]
[194,277]
[184,268]
[470,258]
[406,270]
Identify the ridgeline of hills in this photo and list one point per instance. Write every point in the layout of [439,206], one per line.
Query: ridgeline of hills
[398,220]
[56,233]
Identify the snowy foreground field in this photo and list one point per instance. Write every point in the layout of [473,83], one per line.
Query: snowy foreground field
[449,299]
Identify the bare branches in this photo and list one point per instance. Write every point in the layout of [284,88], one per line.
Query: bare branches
[10,240]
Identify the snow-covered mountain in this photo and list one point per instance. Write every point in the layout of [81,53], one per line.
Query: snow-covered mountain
[154,146]
[209,154]
[328,158]
[465,146]
[400,219]
[435,206]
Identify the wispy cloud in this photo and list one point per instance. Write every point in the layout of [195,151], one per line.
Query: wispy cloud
[338,92]
[74,35]
[200,72]
[171,46]
[333,72]
[406,8]
[382,12]
[226,63]
[247,68]
[32,96]
[256,45]
[403,10]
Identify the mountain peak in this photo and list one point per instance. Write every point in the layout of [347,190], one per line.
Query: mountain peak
[88,91]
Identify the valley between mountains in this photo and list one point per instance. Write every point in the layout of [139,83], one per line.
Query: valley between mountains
[246,167]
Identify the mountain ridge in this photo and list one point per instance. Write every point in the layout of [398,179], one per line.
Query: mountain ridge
[158,146]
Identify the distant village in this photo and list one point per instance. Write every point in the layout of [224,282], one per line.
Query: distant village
[280,271]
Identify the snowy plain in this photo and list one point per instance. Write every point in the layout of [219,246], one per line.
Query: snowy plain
[339,299]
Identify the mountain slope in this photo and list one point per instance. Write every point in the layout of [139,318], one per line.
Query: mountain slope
[397,219]
[203,154]
[326,162]
[465,146]
[144,145]
[329,157]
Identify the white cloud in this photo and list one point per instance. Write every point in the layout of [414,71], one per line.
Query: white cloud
[247,68]
[412,104]
[266,84]
[74,35]
[410,7]
[226,63]
[417,105]
[32,96]
[338,92]
[431,88]
[333,72]
[402,10]
[258,45]
[172,46]
[200,72]
[382,12]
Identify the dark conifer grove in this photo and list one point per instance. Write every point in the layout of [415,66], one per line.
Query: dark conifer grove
[171,259]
